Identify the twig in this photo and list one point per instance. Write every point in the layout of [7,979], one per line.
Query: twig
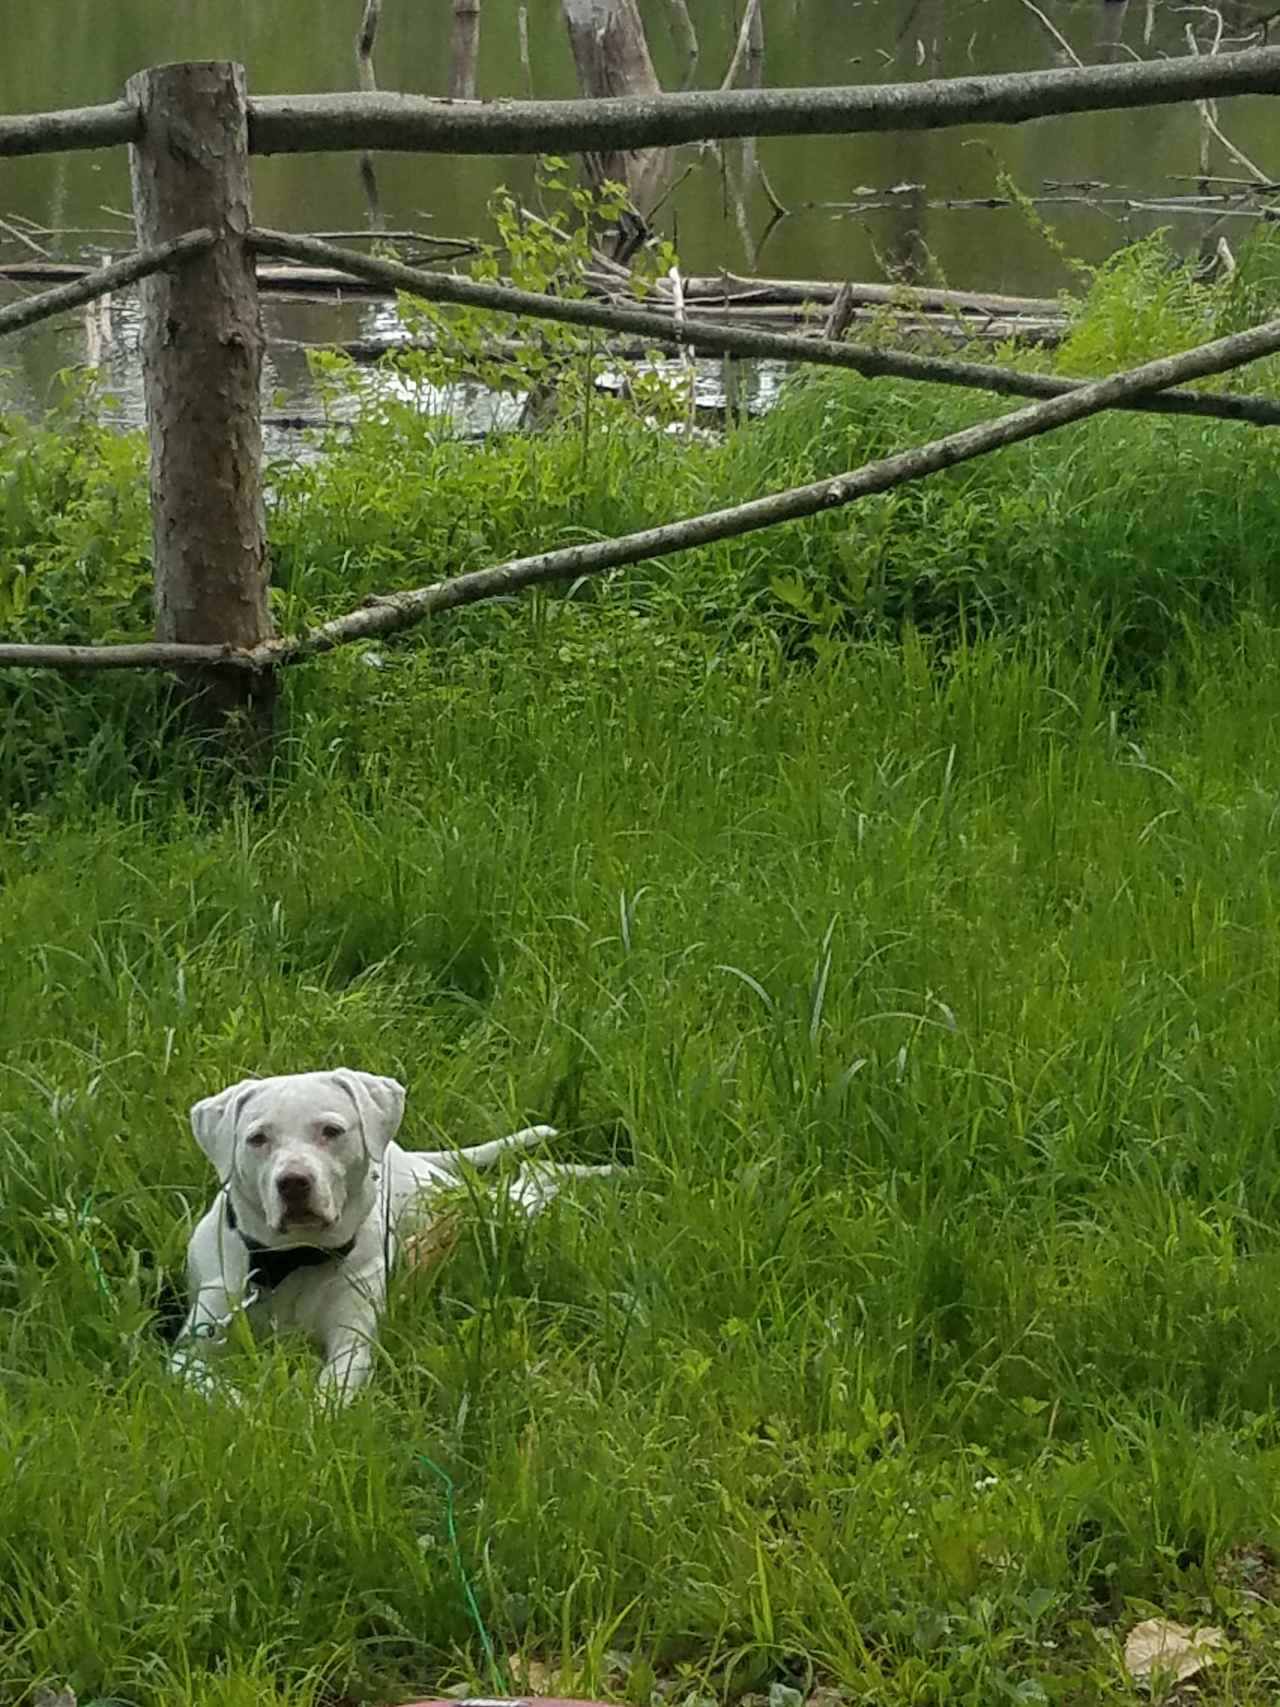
[20,236]
[1056,33]
[779,211]
[1217,178]
[1240,158]
[128,271]
[145,655]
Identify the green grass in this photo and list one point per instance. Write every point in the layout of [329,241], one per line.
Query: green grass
[897,895]
[938,1014]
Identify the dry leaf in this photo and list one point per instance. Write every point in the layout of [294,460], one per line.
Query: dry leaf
[431,1243]
[47,1697]
[1176,1653]
[530,1676]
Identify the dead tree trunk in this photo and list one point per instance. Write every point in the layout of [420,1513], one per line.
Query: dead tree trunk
[202,363]
[612,57]
[367,83]
[464,49]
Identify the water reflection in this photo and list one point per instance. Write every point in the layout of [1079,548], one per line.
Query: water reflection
[910,206]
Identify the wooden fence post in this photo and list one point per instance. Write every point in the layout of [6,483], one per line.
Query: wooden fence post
[202,365]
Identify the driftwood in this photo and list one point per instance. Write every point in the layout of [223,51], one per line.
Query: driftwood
[126,271]
[393,612]
[718,286]
[724,290]
[742,341]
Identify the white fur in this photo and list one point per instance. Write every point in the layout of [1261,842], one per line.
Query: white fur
[310,1159]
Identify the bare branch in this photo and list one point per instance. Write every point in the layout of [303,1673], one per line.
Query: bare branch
[735,340]
[119,273]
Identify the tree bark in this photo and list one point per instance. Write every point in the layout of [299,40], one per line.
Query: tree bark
[202,363]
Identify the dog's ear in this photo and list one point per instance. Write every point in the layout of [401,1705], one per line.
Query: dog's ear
[213,1120]
[379,1103]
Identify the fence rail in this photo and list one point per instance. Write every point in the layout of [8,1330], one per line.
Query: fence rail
[191,130]
[129,269]
[308,124]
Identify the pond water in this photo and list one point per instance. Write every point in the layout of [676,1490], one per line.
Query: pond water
[841,220]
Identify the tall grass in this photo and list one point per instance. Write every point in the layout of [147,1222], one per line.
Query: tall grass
[927,979]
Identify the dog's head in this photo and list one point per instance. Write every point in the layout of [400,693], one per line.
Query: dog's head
[295,1152]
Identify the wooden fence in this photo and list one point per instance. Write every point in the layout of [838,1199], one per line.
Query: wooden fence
[191,130]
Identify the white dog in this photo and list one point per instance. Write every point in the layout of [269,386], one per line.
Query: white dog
[314,1195]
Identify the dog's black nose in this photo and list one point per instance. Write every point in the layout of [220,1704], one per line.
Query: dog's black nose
[294,1189]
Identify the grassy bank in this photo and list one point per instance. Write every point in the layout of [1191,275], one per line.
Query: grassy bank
[897,895]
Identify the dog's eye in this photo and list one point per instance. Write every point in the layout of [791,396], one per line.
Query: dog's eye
[332,1131]
[256,1140]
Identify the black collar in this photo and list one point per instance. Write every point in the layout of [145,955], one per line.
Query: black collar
[269,1264]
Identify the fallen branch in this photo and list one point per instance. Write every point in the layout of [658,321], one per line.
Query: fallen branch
[739,340]
[389,613]
[715,285]
[120,273]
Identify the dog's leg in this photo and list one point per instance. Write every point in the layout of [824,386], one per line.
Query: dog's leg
[348,1359]
[203,1333]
